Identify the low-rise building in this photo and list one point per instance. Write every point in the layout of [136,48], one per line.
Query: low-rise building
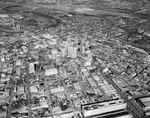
[51,71]
[144,103]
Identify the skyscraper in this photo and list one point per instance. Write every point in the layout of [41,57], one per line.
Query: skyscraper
[83,49]
[74,54]
[76,40]
[86,44]
[54,53]
[72,51]
[58,57]
[17,27]
[84,39]
[63,52]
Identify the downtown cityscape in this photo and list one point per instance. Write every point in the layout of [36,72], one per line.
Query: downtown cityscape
[74,59]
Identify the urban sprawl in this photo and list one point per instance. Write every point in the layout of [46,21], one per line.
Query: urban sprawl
[71,64]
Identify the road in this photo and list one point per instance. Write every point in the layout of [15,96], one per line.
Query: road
[10,101]
[11,92]
[48,95]
[133,106]
[28,87]
[29,97]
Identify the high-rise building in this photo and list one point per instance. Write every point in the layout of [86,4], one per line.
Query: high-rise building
[87,44]
[31,68]
[54,53]
[84,39]
[74,55]
[72,51]
[76,40]
[90,57]
[58,58]
[63,52]
[17,27]
[83,49]
[69,39]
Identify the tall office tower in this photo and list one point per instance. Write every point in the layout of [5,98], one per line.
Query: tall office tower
[72,51]
[63,52]
[58,58]
[70,48]
[17,27]
[83,49]
[69,38]
[54,53]
[84,39]
[74,55]
[76,40]
[31,68]
[86,44]
[88,59]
